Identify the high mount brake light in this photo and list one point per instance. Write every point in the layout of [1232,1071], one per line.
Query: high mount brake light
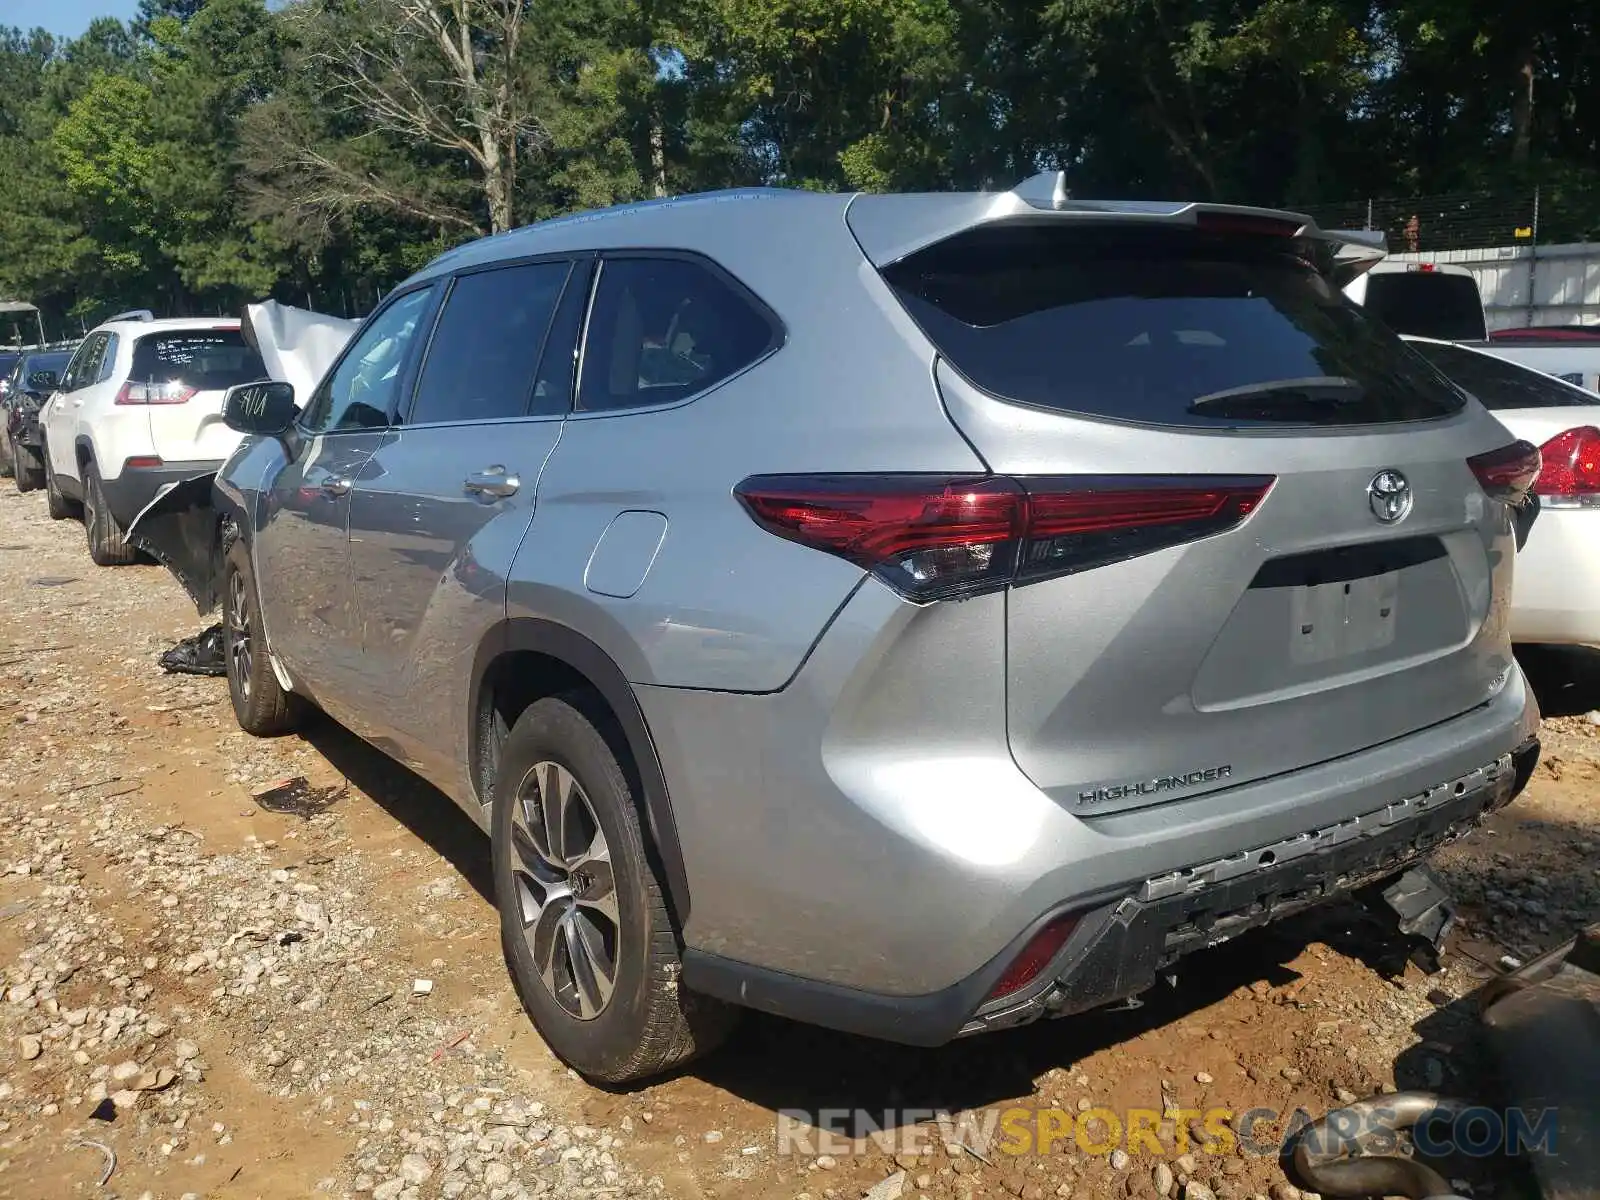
[155,393]
[1570,477]
[942,538]
[1245,224]
[1508,473]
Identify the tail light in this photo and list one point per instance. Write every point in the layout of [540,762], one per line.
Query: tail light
[1035,957]
[1508,473]
[941,538]
[155,393]
[1570,477]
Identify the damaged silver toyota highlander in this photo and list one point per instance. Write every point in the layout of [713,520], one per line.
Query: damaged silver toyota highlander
[912,614]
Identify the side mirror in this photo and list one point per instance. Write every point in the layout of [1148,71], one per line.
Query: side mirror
[266,407]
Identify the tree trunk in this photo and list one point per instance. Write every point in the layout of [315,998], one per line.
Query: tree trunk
[498,185]
[658,157]
[1522,107]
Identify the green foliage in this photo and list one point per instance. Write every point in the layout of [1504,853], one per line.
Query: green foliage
[215,151]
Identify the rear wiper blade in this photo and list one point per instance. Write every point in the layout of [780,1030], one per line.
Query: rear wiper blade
[1319,390]
[1321,400]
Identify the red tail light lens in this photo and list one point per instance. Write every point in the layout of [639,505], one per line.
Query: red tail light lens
[940,538]
[1035,957]
[1570,476]
[155,393]
[1508,473]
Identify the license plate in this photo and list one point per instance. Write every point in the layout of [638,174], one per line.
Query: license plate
[1343,619]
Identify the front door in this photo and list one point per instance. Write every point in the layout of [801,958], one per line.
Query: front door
[437,518]
[60,417]
[302,554]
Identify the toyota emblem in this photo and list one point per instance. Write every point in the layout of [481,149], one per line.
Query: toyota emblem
[1390,497]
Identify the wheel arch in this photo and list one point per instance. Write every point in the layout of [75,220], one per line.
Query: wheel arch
[556,658]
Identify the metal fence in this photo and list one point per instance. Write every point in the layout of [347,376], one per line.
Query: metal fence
[1471,220]
[1535,253]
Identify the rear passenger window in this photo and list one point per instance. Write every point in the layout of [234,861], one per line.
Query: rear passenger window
[486,347]
[662,330]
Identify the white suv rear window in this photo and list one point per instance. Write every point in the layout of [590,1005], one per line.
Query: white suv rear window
[206,360]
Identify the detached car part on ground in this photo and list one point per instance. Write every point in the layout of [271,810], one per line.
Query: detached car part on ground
[1542,1023]
[912,614]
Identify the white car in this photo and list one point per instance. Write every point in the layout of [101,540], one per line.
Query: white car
[1556,598]
[139,406]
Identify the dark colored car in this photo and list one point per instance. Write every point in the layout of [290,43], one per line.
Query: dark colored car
[28,385]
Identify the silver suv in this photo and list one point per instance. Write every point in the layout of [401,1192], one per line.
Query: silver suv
[911,614]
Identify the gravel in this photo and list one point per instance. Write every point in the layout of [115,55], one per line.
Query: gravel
[134,906]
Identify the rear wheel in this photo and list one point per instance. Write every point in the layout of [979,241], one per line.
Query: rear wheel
[260,703]
[56,503]
[583,922]
[8,453]
[107,545]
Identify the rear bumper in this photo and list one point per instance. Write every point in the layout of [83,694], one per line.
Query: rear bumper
[1557,594]
[134,488]
[1124,938]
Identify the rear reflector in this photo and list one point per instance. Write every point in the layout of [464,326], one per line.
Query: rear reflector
[155,393]
[1508,473]
[1570,477]
[143,461]
[1035,957]
[941,538]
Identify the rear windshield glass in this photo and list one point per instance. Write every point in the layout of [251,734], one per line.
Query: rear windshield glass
[33,367]
[207,360]
[1166,327]
[1428,304]
[1500,384]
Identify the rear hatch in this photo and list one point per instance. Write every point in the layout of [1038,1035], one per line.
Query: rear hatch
[1270,549]
[182,375]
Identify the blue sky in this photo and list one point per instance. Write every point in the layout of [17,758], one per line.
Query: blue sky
[68,18]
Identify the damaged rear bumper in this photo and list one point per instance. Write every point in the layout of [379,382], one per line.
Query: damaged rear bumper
[1119,949]
[181,528]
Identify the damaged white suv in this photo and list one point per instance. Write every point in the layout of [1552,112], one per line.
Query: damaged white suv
[139,406]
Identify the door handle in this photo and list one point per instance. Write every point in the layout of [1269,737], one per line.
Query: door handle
[336,486]
[493,484]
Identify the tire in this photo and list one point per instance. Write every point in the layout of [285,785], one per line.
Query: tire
[645,1024]
[261,705]
[56,504]
[106,543]
[8,453]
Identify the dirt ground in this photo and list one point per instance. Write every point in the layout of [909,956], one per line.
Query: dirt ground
[308,999]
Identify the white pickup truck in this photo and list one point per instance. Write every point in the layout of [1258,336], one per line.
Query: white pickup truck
[1441,301]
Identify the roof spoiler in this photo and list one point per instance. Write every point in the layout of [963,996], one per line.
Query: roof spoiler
[135,314]
[1357,252]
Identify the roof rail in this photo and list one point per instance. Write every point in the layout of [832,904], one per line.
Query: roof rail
[136,314]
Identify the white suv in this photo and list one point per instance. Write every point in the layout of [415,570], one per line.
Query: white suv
[139,406]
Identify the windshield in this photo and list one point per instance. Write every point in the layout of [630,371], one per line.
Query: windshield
[41,372]
[1165,327]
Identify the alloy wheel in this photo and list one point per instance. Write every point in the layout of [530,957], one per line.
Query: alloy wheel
[239,649]
[566,890]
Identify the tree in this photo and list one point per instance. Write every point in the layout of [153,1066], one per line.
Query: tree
[451,74]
